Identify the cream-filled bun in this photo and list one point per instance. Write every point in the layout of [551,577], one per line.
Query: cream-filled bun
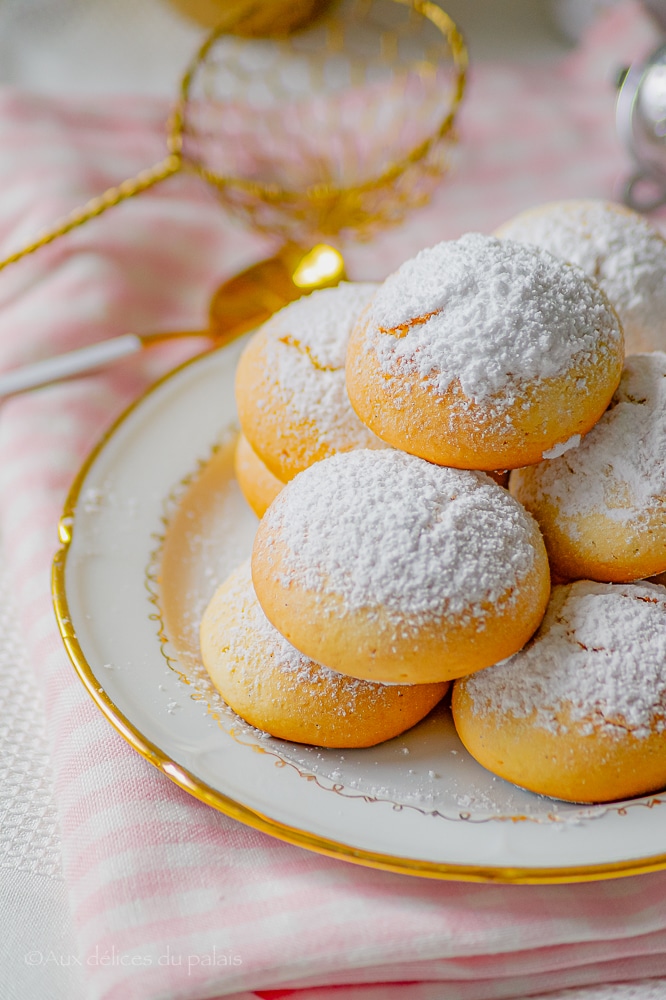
[482,353]
[579,713]
[277,689]
[619,248]
[602,506]
[291,395]
[257,483]
[388,568]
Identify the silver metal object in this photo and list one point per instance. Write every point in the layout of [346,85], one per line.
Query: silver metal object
[641,124]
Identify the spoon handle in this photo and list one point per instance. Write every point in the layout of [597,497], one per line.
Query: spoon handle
[64,365]
[239,304]
[84,359]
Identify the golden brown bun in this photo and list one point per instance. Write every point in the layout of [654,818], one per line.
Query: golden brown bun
[273,687]
[580,713]
[602,506]
[577,768]
[290,382]
[595,547]
[258,484]
[444,365]
[347,557]
[622,250]
[453,430]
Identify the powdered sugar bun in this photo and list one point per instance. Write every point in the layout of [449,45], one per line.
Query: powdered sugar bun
[484,354]
[385,567]
[580,713]
[274,687]
[258,484]
[290,383]
[602,506]
[619,248]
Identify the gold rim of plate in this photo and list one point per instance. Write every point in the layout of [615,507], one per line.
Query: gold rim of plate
[236,810]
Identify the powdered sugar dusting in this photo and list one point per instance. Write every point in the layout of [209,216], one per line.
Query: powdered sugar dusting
[493,315]
[601,650]
[563,447]
[250,637]
[619,468]
[384,529]
[306,345]
[621,250]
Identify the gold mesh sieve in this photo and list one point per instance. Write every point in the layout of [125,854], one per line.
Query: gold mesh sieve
[328,133]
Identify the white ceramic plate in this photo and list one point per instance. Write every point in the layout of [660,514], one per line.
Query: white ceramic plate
[154,522]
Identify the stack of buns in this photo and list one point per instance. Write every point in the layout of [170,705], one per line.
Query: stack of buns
[378,421]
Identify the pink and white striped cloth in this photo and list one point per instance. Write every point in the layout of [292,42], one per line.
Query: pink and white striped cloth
[170,898]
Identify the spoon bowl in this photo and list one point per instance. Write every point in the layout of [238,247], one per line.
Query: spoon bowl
[239,304]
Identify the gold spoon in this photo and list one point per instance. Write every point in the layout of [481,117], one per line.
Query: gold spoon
[239,304]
